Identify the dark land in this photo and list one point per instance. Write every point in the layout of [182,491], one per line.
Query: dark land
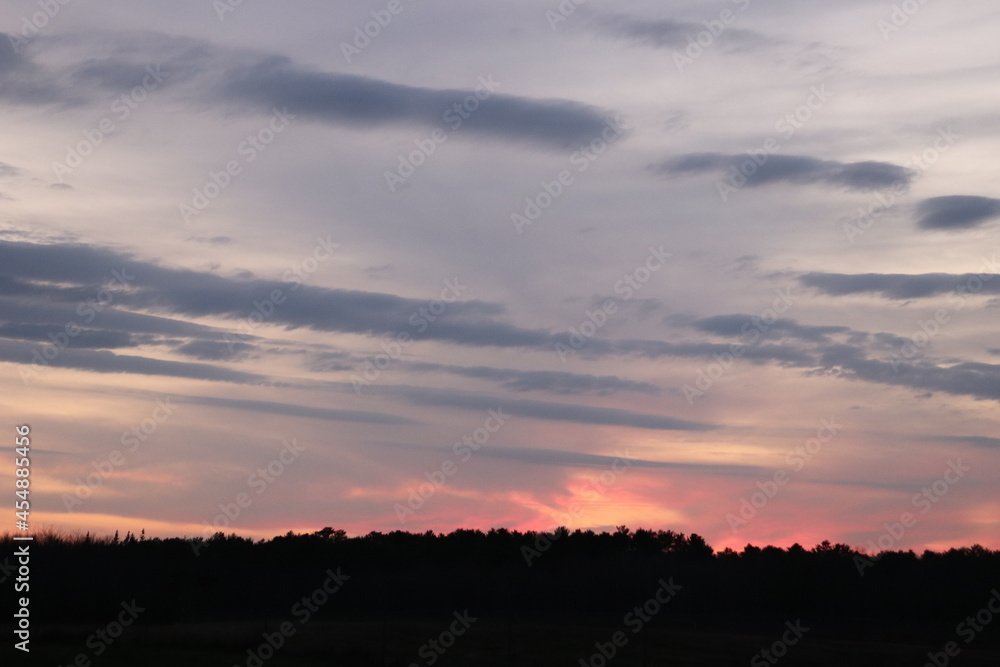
[502,598]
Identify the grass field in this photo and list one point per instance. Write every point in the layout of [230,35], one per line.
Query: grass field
[489,642]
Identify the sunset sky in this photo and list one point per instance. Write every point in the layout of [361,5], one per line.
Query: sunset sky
[719,267]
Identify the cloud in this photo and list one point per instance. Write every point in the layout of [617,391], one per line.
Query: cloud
[555,457]
[552,381]
[72,273]
[676,35]
[795,169]
[53,308]
[208,350]
[45,285]
[8,54]
[211,240]
[901,286]
[290,410]
[580,414]
[737,325]
[103,361]
[84,338]
[957,212]
[245,81]
[653,349]
[348,99]
[961,379]
[974,440]
[33,268]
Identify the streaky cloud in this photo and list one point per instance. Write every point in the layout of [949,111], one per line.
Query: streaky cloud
[568,412]
[569,459]
[557,382]
[899,286]
[793,169]
[957,212]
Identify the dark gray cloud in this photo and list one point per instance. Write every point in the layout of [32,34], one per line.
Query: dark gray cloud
[957,212]
[290,410]
[83,338]
[961,379]
[675,35]
[62,311]
[210,350]
[974,440]
[561,458]
[103,361]
[556,382]
[757,353]
[737,325]
[846,353]
[31,267]
[580,414]
[56,278]
[901,286]
[362,101]
[82,271]
[796,169]
[211,240]
[637,308]
[8,55]
[332,361]
[252,82]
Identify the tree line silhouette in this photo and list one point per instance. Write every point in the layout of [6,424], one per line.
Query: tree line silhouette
[85,579]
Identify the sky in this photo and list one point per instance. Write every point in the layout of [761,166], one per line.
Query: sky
[719,267]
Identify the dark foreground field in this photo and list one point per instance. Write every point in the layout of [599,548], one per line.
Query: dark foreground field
[491,641]
[504,598]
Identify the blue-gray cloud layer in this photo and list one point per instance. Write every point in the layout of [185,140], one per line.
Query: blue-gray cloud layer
[794,169]
[957,212]
[254,82]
